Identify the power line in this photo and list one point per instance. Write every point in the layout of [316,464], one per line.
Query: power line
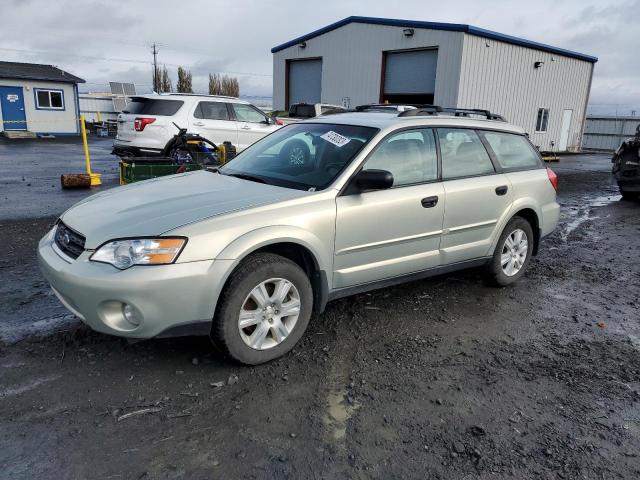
[125,60]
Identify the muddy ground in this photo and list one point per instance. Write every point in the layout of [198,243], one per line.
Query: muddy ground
[445,378]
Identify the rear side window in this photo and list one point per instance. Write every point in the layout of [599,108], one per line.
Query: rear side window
[463,154]
[152,106]
[512,151]
[212,111]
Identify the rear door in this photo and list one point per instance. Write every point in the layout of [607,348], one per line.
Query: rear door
[253,124]
[213,121]
[476,195]
[160,112]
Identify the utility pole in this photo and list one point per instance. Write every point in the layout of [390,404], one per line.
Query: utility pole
[156,82]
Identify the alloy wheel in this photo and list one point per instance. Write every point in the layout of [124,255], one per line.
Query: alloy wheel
[514,252]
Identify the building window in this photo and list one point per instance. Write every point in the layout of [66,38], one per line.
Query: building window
[49,99]
[542,120]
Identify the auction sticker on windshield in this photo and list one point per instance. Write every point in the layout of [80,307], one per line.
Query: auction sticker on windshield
[335,138]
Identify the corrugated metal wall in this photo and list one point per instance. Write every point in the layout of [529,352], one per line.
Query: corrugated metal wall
[501,77]
[90,106]
[607,133]
[352,62]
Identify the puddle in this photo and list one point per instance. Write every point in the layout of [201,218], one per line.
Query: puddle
[583,212]
[338,414]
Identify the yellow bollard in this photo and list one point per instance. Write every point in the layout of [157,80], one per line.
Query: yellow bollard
[98,115]
[95,177]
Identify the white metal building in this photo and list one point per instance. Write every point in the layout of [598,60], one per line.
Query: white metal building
[38,99]
[362,60]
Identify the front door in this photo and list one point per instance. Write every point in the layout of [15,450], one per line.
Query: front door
[476,196]
[253,124]
[387,233]
[12,104]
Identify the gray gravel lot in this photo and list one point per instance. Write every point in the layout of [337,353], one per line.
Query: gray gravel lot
[444,378]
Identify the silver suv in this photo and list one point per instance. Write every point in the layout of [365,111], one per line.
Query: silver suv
[246,253]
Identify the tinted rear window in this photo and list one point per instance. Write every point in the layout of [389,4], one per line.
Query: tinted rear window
[152,106]
[512,151]
[304,111]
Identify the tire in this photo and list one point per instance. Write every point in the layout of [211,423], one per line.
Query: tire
[500,276]
[629,196]
[295,152]
[272,271]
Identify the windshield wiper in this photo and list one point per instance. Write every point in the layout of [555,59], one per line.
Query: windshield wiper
[246,176]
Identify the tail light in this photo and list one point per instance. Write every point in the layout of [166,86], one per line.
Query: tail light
[279,122]
[141,122]
[553,178]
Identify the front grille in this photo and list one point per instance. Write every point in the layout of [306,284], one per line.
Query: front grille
[70,242]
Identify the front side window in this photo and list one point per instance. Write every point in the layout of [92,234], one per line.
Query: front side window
[542,120]
[212,111]
[512,151]
[248,113]
[305,156]
[409,155]
[463,154]
[49,99]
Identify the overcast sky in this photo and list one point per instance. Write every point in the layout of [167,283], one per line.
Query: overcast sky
[110,40]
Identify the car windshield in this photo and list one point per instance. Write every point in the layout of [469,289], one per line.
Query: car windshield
[305,156]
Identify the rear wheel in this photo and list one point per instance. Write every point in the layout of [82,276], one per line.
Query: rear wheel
[512,253]
[264,309]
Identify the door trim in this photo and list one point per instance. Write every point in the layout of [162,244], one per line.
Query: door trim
[409,277]
[385,243]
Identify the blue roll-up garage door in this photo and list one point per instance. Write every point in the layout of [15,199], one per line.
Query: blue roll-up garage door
[305,81]
[410,73]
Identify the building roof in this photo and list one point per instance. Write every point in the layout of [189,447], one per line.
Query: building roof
[36,71]
[452,27]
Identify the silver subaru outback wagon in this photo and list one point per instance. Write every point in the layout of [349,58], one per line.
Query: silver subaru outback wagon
[248,252]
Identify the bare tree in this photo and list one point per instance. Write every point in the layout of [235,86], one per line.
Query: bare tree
[215,84]
[184,83]
[230,86]
[165,83]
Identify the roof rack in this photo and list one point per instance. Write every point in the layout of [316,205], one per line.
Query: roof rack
[421,110]
[386,107]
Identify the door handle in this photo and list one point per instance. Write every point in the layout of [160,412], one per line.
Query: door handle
[246,127]
[198,124]
[501,190]
[429,202]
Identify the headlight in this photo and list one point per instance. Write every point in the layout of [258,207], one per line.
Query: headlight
[139,251]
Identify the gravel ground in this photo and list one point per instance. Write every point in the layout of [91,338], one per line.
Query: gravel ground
[444,378]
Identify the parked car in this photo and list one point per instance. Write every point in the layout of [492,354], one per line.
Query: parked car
[147,123]
[626,167]
[304,111]
[246,253]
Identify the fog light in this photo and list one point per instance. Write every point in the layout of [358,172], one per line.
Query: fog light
[131,314]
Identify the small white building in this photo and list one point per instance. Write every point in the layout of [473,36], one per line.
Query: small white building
[361,60]
[38,99]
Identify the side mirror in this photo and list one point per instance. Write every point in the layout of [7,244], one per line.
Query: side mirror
[268,120]
[374,180]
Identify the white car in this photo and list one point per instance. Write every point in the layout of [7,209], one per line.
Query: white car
[147,122]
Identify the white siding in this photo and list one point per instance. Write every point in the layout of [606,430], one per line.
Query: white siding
[352,62]
[501,77]
[47,121]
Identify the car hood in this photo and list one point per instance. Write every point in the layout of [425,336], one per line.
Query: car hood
[156,206]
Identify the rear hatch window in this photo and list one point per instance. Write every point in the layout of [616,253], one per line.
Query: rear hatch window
[152,106]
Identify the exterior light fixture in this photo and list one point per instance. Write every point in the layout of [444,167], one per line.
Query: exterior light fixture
[538,64]
[408,32]
[302,44]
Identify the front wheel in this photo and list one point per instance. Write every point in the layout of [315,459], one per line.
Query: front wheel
[264,309]
[513,252]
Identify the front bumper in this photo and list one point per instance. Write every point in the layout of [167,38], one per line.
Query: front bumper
[166,297]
